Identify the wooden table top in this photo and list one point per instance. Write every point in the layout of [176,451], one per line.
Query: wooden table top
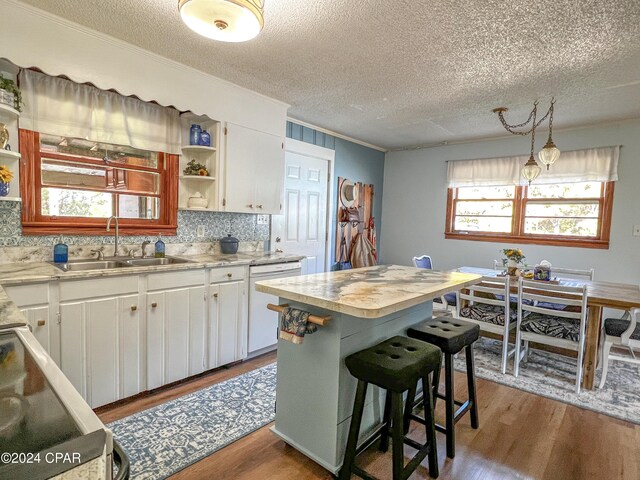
[599,294]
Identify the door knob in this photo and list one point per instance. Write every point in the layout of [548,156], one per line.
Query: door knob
[41,323]
[215,295]
[154,304]
[134,308]
[278,239]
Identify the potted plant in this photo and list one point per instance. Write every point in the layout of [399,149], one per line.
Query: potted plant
[5,178]
[10,93]
[514,257]
[197,169]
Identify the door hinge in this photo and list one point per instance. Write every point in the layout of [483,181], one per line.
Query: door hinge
[58,318]
[225,130]
[224,202]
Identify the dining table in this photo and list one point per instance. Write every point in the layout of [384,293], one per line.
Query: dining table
[600,295]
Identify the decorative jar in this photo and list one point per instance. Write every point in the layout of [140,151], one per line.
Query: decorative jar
[4,189]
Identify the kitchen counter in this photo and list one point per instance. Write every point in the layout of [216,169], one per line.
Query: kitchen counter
[314,390]
[370,292]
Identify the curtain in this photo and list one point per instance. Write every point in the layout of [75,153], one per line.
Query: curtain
[58,106]
[590,165]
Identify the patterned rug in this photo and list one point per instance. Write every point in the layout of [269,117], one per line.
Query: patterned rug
[165,439]
[553,376]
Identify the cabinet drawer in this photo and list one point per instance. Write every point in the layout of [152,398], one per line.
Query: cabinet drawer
[227,274]
[25,295]
[184,278]
[100,287]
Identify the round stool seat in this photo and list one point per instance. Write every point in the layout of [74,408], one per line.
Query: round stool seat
[395,364]
[450,334]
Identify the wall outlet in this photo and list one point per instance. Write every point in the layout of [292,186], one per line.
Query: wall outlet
[200,231]
[263,219]
[636,230]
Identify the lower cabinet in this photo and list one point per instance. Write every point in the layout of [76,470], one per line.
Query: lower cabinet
[227,322]
[100,338]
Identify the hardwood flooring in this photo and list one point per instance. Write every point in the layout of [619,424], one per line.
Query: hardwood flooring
[521,436]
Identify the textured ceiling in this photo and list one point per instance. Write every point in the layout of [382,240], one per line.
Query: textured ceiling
[405,73]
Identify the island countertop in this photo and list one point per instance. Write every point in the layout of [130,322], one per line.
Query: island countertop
[370,292]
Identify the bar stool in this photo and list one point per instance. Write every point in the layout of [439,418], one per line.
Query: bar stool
[451,335]
[395,365]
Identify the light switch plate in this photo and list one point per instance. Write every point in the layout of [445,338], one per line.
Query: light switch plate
[200,231]
[636,230]
[263,219]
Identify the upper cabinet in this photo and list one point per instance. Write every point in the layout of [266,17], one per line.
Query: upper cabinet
[253,171]
[199,188]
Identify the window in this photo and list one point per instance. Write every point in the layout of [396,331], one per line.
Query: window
[73,185]
[571,214]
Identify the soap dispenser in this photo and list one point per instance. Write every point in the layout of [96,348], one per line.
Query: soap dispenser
[60,252]
[159,252]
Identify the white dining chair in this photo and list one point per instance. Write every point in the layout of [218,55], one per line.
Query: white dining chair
[620,332]
[565,328]
[490,308]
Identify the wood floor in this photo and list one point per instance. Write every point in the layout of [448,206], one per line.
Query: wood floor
[521,436]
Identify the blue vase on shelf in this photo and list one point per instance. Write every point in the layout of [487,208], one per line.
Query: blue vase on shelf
[4,189]
[205,139]
[194,134]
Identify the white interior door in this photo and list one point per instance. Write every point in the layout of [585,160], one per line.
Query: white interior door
[302,229]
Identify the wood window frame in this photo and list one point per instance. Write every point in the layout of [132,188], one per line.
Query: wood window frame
[34,223]
[517,235]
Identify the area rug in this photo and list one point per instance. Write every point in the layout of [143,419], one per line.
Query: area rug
[553,376]
[165,439]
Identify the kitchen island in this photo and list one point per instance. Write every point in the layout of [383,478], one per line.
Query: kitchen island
[315,392]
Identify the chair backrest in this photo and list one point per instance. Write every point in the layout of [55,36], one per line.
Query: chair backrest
[625,338]
[498,265]
[544,298]
[490,291]
[573,272]
[423,262]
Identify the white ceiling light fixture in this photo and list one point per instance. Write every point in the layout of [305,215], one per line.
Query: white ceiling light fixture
[223,20]
[549,153]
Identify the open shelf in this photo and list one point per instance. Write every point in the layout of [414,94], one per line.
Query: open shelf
[8,111]
[9,155]
[197,148]
[199,178]
[9,198]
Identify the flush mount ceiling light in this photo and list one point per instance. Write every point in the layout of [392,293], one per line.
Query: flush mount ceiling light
[549,153]
[224,20]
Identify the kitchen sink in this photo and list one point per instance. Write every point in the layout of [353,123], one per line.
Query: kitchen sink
[80,265]
[146,262]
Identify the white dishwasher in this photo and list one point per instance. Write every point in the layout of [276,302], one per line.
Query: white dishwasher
[263,323]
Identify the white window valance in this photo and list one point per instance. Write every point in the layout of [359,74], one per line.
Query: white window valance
[590,165]
[58,106]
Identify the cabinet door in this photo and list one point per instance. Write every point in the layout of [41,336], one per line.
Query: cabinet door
[101,320]
[38,318]
[72,345]
[232,333]
[130,330]
[254,169]
[155,340]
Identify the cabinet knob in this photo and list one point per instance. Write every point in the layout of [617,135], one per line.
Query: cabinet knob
[215,295]
[154,304]
[41,323]
[229,275]
[259,206]
[250,205]
[134,308]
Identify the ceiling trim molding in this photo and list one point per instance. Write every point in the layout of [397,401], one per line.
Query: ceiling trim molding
[336,134]
[31,10]
[504,136]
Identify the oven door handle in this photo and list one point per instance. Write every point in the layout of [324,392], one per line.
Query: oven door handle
[120,460]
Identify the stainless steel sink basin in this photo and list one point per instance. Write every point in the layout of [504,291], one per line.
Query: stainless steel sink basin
[146,262]
[78,265]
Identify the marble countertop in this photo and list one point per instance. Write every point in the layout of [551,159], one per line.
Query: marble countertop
[34,272]
[370,292]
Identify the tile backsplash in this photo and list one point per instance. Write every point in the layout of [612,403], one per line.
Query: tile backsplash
[243,226]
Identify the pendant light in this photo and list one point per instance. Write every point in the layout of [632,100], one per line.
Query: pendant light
[224,20]
[549,153]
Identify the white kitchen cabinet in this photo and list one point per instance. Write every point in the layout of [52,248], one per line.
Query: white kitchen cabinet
[176,333]
[100,338]
[254,171]
[227,322]
[33,302]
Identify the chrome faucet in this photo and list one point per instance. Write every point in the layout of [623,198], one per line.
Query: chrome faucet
[113,217]
[144,246]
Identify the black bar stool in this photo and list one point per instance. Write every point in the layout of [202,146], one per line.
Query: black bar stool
[451,335]
[395,365]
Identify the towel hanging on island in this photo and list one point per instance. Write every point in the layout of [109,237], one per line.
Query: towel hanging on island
[294,325]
